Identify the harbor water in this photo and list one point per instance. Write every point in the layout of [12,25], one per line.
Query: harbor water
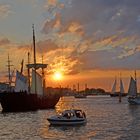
[107,119]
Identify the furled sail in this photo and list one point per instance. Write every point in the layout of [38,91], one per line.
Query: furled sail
[21,82]
[132,91]
[39,88]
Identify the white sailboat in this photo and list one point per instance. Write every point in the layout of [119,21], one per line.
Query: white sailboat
[132,92]
[114,93]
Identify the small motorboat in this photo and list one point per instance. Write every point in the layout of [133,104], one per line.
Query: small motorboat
[69,117]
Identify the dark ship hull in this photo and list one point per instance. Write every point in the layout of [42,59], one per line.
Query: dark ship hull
[47,102]
[18,101]
[21,102]
[117,94]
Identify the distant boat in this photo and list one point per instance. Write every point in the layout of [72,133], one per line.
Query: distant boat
[68,117]
[24,97]
[80,95]
[133,97]
[114,93]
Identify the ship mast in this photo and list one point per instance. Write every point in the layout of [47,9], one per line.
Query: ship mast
[28,73]
[34,56]
[85,88]
[136,81]
[9,75]
[35,65]
[78,87]
[43,76]
[120,89]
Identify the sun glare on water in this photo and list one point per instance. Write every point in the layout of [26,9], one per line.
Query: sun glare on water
[57,76]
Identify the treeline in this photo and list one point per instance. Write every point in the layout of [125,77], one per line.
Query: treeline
[94,91]
[70,92]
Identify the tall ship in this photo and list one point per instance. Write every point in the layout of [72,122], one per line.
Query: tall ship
[29,93]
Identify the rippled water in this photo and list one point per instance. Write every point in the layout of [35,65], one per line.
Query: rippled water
[107,120]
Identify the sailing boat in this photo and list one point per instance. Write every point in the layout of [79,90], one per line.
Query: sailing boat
[121,92]
[132,92]
[26,98]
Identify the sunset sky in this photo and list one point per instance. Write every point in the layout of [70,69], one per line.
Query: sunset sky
[88,41]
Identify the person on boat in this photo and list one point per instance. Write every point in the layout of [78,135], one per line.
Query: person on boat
[67,115]
[84,114]
[78,115]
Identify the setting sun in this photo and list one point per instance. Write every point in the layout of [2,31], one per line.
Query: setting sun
[57,75]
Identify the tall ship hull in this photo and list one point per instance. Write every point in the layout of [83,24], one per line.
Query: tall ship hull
[47,102]
[18,101]
[22,101]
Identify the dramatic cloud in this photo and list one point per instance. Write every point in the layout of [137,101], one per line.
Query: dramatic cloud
[53,7]
[85,35]
[106,32]
[108,60]
[53,24]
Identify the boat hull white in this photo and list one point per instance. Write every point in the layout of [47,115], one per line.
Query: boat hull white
[69,117]
[67,122]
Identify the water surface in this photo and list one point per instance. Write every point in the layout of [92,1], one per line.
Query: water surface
[107,119]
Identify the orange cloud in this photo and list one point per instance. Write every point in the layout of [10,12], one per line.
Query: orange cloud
[53,6]
[52,24]
[73,27]
[52,2]
[60,59]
